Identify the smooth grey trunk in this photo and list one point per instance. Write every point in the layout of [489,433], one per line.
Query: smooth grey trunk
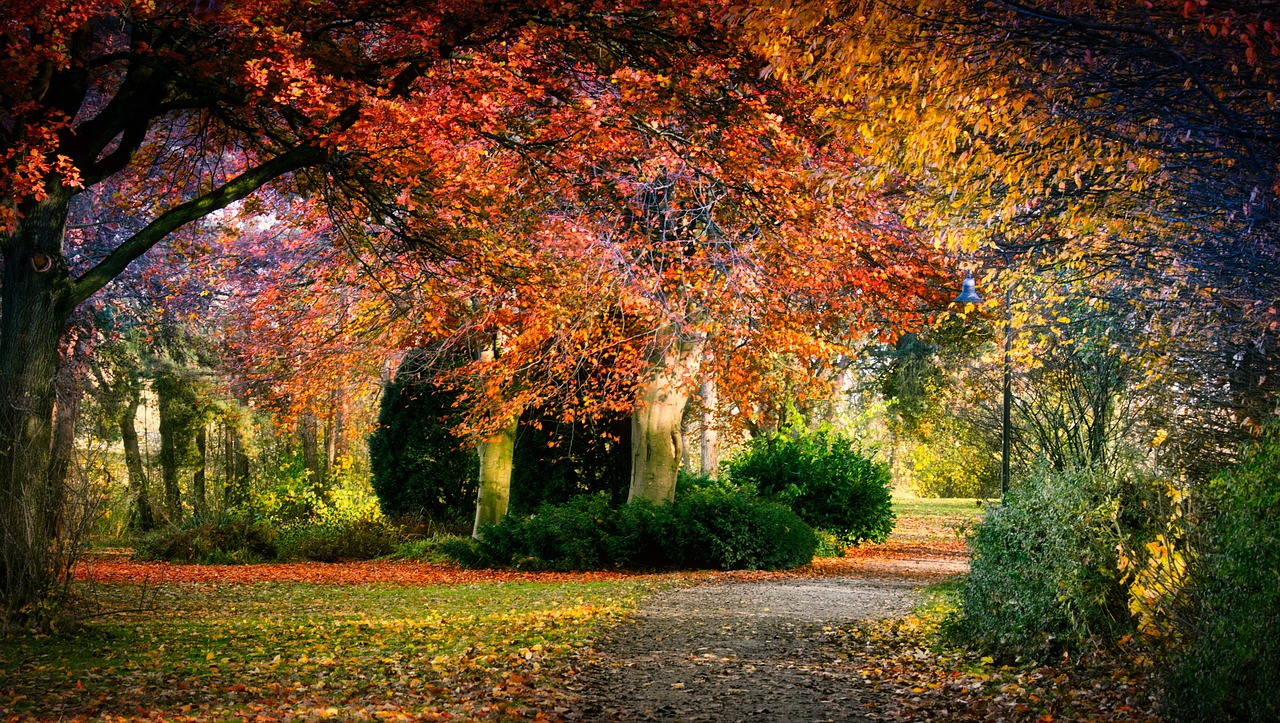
[139,516]
[496,455]
[657,445]
[710,442]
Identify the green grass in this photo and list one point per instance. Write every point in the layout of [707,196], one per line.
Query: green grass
[937,507]
[229,651]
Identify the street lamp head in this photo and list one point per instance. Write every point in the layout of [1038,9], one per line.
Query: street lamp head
[967,293]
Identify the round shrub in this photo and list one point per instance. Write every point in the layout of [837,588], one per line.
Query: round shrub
[419,467]
[1228,664]
[738,531]
[825,477]
[1044,565]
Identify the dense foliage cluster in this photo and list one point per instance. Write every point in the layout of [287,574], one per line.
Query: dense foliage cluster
[229,539]
[1225,659]
[1044,572]
[419,466]
[714,528]
[825,477]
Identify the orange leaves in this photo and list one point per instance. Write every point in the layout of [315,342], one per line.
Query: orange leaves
[119,570]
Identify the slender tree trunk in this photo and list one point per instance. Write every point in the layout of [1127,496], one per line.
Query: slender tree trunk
[33,310]
[333,435]
[308,435]
[236,490]
[172,445]
[496,454]
[69,395]
[228,462]
[656,442]
[199,498]
[710,442]
[140,517]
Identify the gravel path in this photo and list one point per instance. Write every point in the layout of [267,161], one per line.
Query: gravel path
[741,651]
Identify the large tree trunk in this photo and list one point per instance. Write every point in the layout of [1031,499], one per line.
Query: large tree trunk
[35,306]
[656,441]
[139,516]
[199,498]
[496,454]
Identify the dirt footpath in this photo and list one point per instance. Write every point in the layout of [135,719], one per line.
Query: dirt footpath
[749,651]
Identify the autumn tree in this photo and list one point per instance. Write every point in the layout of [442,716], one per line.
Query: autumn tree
[190,110]
[1126,143]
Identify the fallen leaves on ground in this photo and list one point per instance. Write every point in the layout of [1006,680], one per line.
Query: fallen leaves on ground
[937,683]
[353,641]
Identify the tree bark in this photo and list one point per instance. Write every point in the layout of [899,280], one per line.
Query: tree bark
[139,516]
[171,446]
[496,455]
[710,442]
[35,308]
[199,498]
[308,435]
[656,442]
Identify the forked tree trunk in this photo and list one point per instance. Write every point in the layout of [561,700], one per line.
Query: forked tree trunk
[35,308]
[496,455]
[656,442]
[710,442]
[139,516]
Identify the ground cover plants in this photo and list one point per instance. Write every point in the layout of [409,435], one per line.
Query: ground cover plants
[401,639]
[292,650]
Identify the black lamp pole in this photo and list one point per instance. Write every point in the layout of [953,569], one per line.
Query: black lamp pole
[1006,427]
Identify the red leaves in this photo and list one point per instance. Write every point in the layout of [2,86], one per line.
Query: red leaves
[118,570]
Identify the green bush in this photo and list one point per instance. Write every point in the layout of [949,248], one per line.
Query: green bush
[1043,569]
[223,540]
[829,545]
[738,531]
[557,460]
[826,478]
[339,540]
[420,468]
[1228,665]
[701,529]
[428,549]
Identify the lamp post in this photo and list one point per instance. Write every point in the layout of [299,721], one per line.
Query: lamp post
[968,295]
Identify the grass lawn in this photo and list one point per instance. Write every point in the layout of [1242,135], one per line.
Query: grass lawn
[938,507]
[289,651]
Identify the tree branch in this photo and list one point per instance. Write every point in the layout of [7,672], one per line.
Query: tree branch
[173,219]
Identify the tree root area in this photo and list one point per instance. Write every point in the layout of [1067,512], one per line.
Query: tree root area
[741,651]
